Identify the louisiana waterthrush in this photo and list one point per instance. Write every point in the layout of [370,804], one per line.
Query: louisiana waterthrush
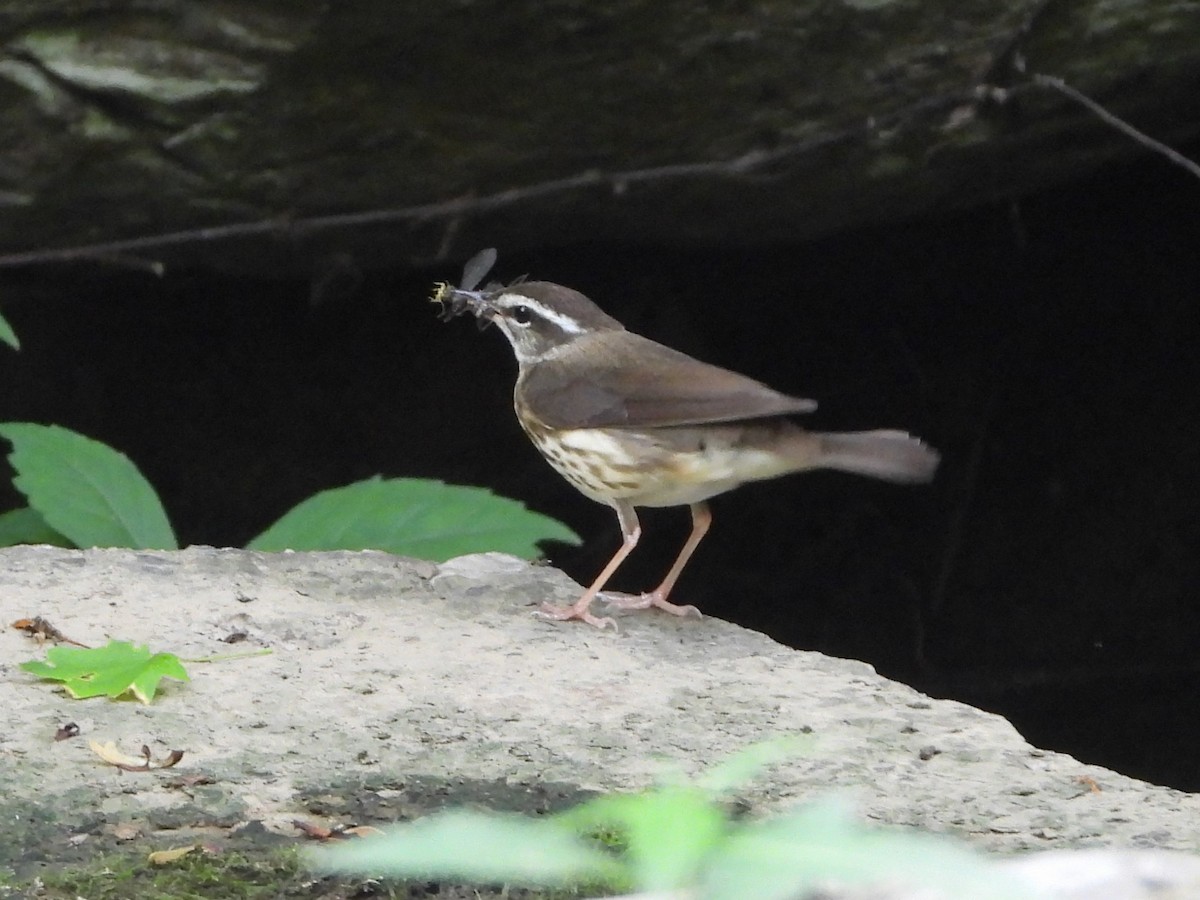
[630,422]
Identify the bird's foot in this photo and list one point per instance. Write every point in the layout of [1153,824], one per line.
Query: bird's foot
[645,601]
[578,611]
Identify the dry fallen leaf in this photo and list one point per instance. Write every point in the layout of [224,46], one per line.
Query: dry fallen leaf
[170,759]
[309,829]
[166,857]
[41,630]
[114,757]
[126,763]
[321,833]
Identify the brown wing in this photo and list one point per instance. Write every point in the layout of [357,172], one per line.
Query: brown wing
[637,382]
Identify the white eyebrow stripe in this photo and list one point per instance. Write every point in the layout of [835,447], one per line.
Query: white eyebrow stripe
[566,323]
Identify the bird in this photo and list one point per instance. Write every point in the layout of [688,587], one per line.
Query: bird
[631,423]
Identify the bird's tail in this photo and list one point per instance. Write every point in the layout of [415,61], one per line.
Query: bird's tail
[891,455]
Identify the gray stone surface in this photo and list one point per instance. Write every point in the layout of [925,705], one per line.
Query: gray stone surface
[391,669]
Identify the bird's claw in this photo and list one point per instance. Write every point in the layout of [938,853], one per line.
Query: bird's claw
[554,613]
[645,601]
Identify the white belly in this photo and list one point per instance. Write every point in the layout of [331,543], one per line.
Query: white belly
[634,467]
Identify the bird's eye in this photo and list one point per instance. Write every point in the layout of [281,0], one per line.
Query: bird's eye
[522,315]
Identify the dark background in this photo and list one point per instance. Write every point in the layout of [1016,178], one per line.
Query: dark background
[1048,346]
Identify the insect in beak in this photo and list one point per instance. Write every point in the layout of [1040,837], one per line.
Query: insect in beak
[457,301]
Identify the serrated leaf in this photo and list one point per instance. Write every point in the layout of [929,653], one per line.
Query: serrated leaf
[87,491]
[8,335]
[483,848]
[113,670]
[26,526]
[412,517]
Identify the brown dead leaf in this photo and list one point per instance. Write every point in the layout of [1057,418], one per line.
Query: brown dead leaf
[321,833]
[312,830]
[171,759]
[41,630]
[126,763]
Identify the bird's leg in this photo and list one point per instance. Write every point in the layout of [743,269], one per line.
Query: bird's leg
[631,530]
[701,520]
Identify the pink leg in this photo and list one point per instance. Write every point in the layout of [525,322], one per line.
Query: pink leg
[631,531]
[701,520]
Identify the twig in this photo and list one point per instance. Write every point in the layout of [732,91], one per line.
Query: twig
[750,163]
[1009,61]
[1056,83]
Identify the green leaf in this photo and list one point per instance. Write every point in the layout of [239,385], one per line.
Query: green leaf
[475,847]
[820,844]
[677,839]
[25,526]
[8,335]
[668,832]
[112,671]
[86,490]
[411,517]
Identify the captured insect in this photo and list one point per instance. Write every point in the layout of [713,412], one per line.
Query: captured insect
[458,300]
